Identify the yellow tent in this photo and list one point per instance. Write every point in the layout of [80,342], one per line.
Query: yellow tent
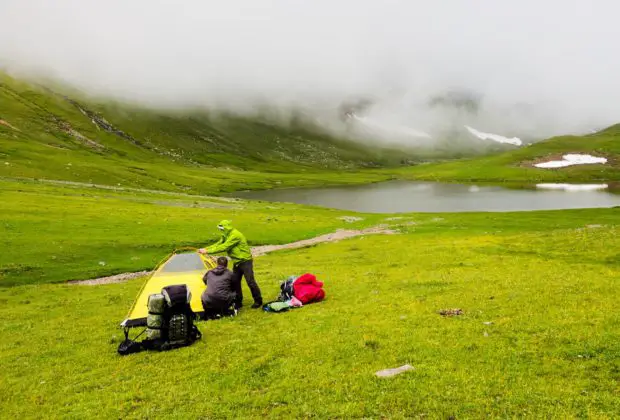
[186,268]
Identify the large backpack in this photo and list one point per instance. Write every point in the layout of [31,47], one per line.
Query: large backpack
[170,322]
[178,327]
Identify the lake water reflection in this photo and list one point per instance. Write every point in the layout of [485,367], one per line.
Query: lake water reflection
[405,196]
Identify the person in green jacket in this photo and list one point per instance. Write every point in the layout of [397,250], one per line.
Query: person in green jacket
[236,246]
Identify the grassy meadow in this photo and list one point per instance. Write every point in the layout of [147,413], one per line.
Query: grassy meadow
[538,337]
[59,233]
[90,189]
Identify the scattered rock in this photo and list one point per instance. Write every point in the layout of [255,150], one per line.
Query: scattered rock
[101,263]
[195,204]
[486,334]
[68,129]
[488,323]
[101,123]
[351,219]
[451,312]
[387,373]
[594,226]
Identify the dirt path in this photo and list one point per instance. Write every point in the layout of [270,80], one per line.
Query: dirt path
[330,237]
[257,251]
[118,278]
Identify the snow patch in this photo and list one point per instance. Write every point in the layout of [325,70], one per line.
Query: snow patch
[572,187]
[495,137]
[572,159]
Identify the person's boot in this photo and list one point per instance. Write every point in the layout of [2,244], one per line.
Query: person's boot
[257,305]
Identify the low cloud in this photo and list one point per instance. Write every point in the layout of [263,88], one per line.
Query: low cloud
[518,68]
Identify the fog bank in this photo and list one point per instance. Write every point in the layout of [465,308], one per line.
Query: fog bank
[518,68]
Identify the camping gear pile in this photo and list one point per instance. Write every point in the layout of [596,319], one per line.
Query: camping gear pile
[169,324]
[168,304]
[296,292]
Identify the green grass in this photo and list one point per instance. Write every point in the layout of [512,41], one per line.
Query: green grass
[546,280]
[58,233]
[516,166]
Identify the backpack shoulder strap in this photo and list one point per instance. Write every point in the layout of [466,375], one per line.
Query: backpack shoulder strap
[195,333]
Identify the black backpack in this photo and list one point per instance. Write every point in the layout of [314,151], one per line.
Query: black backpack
[178,318]
[177,325]
[286,289]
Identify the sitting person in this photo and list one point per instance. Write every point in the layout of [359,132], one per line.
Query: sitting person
[219,296]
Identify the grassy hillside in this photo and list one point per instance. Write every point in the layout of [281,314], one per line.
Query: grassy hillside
[46,135]
[53,136]
[517,165]
[538,338]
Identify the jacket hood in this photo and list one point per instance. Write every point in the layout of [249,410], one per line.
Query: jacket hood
[227,225]
[219,270]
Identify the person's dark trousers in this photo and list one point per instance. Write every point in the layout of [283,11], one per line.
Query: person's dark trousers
[213,309]
[246,269]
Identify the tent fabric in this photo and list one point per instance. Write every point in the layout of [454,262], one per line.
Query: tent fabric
[186,268]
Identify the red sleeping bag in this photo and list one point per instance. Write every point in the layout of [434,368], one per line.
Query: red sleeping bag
[308,289]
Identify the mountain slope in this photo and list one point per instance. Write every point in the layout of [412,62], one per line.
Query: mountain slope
[518,165]
[47,135]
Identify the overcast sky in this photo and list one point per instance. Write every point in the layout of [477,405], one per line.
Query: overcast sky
[561,57]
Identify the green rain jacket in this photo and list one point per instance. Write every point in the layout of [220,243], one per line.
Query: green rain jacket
[233,243]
